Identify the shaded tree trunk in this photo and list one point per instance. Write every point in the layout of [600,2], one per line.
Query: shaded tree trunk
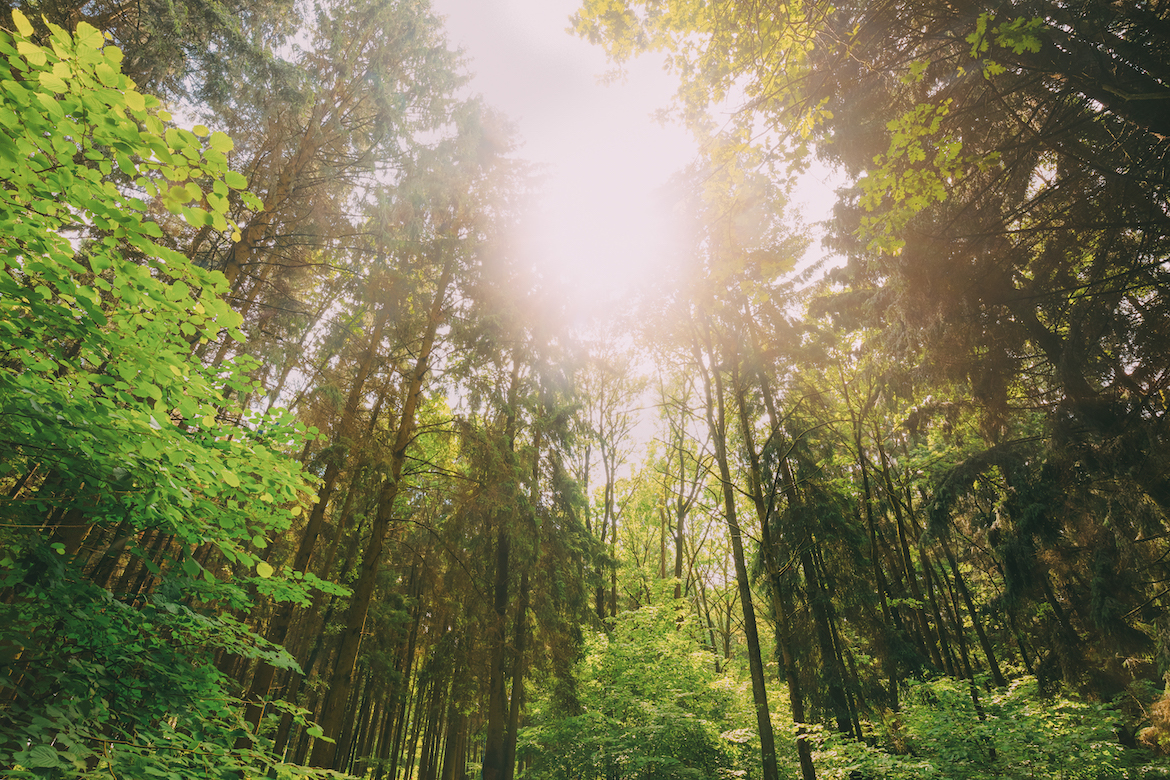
[716,414]
[363,590]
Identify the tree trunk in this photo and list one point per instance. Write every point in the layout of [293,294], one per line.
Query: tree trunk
[363,590]
[521,640]
[907,562]
[282,618]
[495,751]
[792,676]
[403,711]
[717,423]
[984,643]
[817,597]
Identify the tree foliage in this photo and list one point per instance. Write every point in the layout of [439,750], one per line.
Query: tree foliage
[917,502]
[649,705]
[111,425]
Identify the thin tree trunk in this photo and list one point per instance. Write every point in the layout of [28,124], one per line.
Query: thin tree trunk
[363,590]
[521,631]
[309,663]
[403,712]
[939,621]
[837,649]
[717,424]
[521,639]
[792,677]
[701,605]
[417,722]
[984,643]
[891,619]
[495,751]
[907,561]
[495,745]
[451,755]
[282,618]
[361,693]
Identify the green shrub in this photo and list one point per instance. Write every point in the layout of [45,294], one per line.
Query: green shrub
[650,706]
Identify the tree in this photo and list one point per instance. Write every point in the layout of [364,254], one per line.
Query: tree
[1007,228]
[681,488]
[188,52]
[320,143]
[111,426]
[739,247]
[650,707]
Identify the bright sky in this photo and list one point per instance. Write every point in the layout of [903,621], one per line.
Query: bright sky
[603,226]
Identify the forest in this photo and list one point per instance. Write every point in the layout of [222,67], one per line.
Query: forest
[306,471]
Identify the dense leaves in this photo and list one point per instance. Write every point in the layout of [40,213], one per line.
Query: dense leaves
[111,426]
[903,518]
[100,393]
[649,705]
[1020,735]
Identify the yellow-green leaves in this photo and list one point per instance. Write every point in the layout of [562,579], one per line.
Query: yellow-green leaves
[135,101]
[31,52]
[235,180]
[79,89]
[920,165]
[220,142]
[87,38]
[98,314]
[23,25]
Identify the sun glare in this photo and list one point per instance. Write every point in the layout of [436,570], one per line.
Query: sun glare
[601,226]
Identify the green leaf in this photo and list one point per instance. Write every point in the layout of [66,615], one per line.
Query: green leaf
[31,52]
[263,570]
[179,291]
[87,36]
[196,217]
[235,180]
[23,26]
[43,757]
[220,142]
[52,82]
[108,76]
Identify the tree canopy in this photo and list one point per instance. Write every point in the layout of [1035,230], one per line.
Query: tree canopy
[306,471]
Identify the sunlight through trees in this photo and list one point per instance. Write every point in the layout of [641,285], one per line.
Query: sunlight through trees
[309,468]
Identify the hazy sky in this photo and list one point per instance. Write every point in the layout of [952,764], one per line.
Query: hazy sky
[601,224]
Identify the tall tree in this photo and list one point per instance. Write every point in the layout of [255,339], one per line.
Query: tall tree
[444,257]
[608,392]
[194,53]
[1008,220]
[738,242]
[112,430]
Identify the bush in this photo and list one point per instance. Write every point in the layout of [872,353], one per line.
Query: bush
[1021,735]
[650,706]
